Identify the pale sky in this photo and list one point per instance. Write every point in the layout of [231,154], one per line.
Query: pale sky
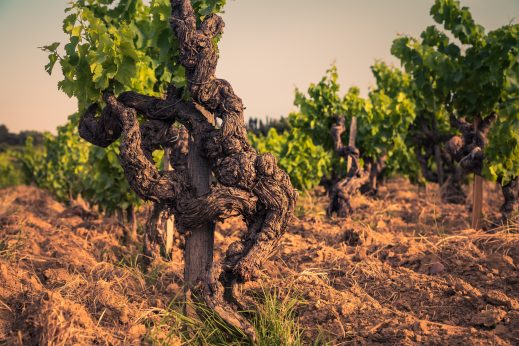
[269,48]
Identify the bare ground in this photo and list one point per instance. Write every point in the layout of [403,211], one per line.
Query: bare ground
[405,269]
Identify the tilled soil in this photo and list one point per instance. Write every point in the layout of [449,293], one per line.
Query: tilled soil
[404,269]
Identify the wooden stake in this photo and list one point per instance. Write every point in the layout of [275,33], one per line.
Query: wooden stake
[166,159]
[168,223]
[132,223]
[477,194]
[351,139]
[198,254]
[437,156]
[477,202]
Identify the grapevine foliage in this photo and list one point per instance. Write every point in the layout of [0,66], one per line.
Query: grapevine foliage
[10,170]
[126,47]
[60,165]
[384,128]
[503,148]
[117,45]
[306,149]
[470,76]
[430,93]
[304,161]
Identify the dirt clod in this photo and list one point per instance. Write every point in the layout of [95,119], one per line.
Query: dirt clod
[489,318]
[436,268]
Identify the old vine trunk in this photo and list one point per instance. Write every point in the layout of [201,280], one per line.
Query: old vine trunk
[247,183]
[342,191]
[468,150]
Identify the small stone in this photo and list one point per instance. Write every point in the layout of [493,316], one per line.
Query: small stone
[489,318]
[501,329]
[436,268]
[137,331]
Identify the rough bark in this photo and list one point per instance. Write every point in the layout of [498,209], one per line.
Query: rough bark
[199,246]
[452,190]
[430,146]
[101,131]
[235,163]
[132,224]
[152,236]
[344,189]
[511,198]
[248,184]
[374,169]
[329,182]
[159,231]
[468,148]
[128,224]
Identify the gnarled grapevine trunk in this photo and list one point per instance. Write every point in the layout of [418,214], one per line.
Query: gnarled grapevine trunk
[468,150]
[430,147]
[374,168]
[511,196]
[451,190]
[128,224]
[159,231]
[344,189]
[248,184]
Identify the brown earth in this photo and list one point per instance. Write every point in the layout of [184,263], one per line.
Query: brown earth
[405,269]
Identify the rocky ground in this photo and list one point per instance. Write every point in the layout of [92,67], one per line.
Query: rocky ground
[404,269]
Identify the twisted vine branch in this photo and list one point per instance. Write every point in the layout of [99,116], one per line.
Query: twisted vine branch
[468,148]
[248,184]
[431,146]
[344,189]
[511,196]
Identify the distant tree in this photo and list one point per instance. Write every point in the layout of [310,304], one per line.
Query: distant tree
[8,139]
[260,127]
[4,133]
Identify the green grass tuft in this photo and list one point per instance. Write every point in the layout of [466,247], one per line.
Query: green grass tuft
[274,320]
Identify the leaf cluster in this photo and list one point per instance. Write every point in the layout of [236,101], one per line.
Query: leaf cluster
[306,150]
[469,73]
[112,44]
